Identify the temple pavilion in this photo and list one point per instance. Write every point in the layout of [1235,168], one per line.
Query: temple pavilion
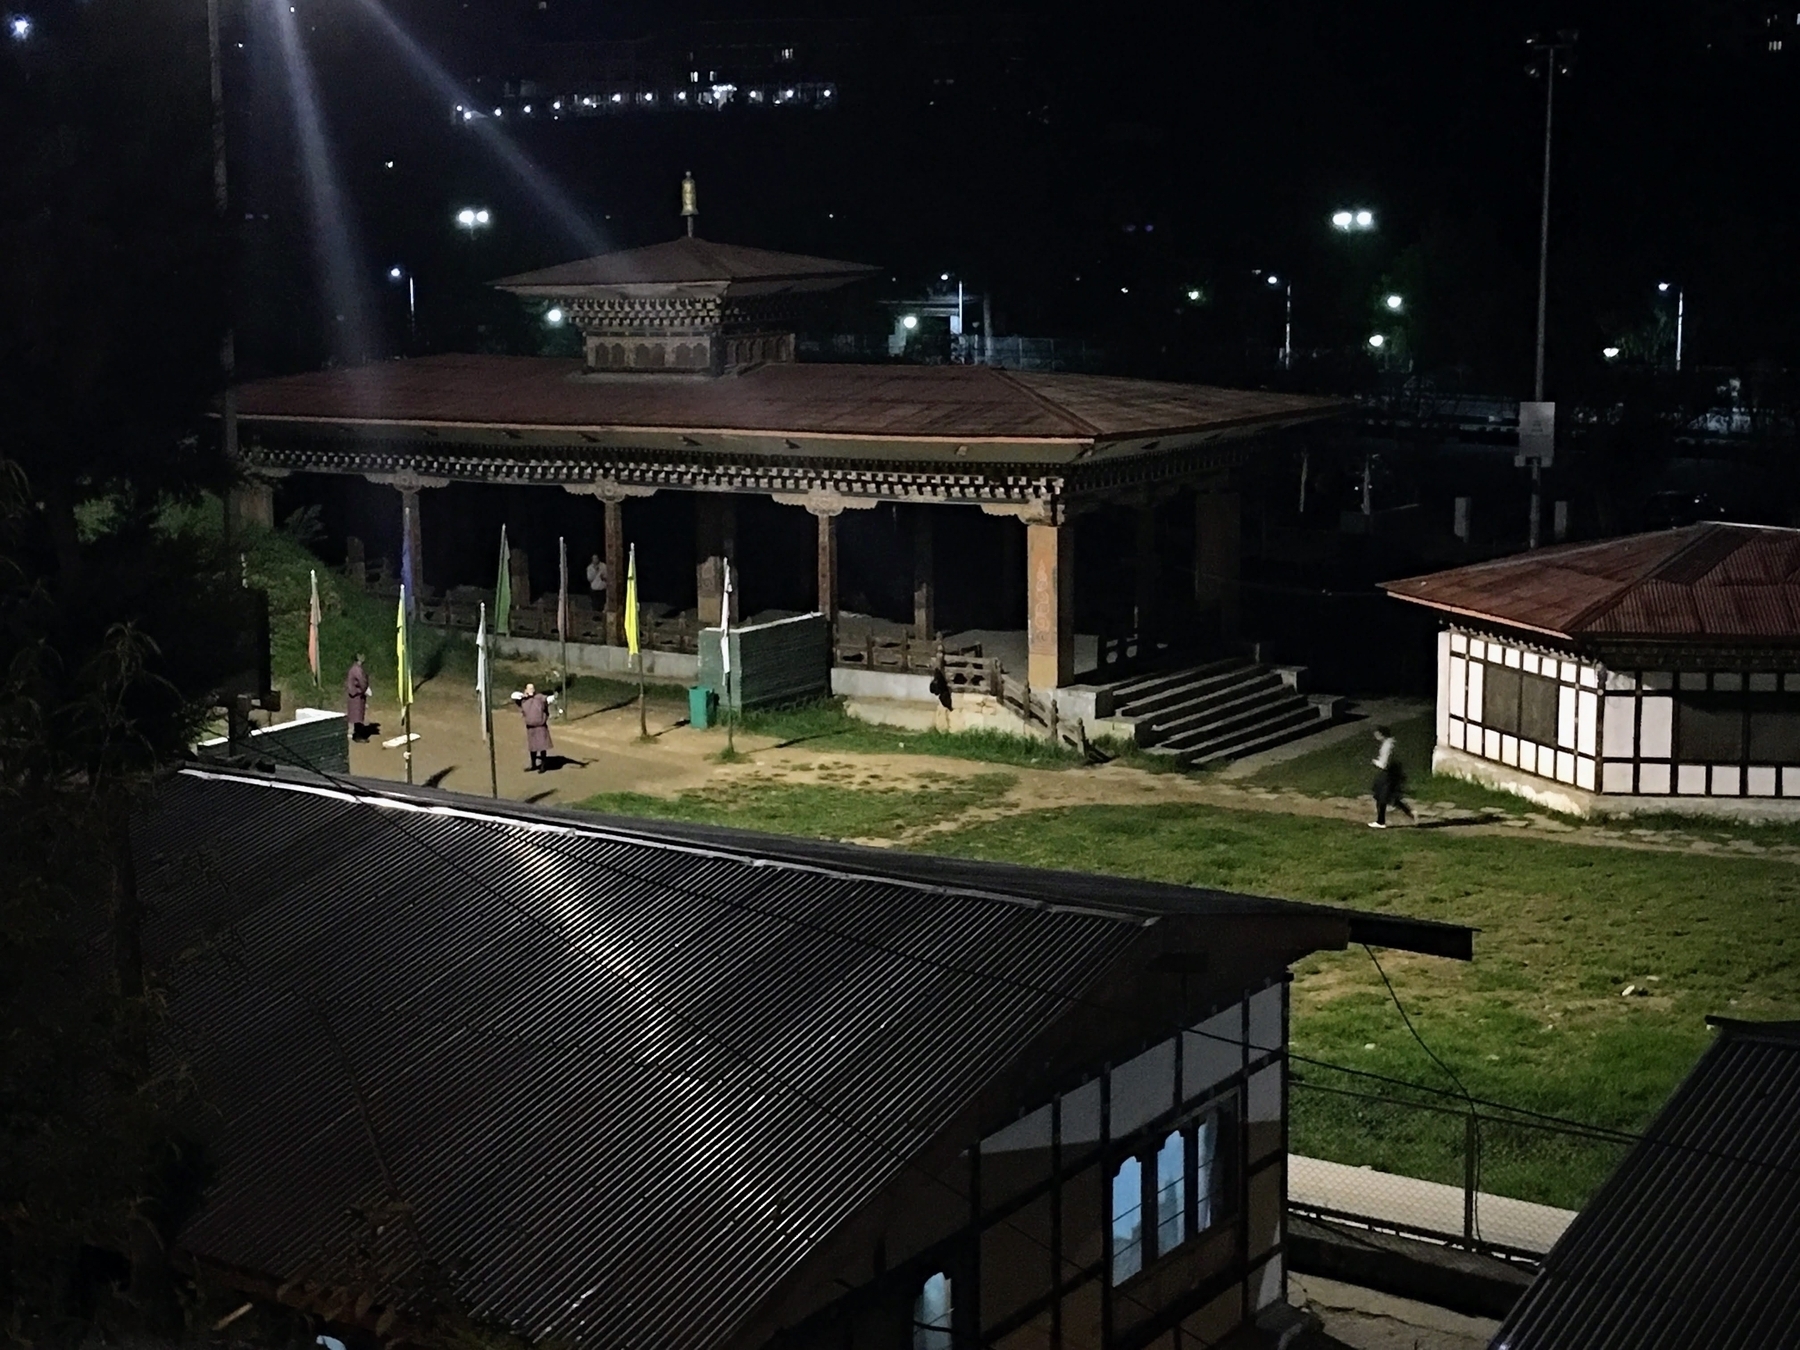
[689,388]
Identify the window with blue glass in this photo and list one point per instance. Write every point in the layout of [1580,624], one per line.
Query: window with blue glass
[932,1314]
[1164,1196]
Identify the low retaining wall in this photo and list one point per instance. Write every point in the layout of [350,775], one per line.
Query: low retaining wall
[593,658]
[1574,801]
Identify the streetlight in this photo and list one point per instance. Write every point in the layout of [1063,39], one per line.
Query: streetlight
[1193,295]
[1287,329]
[1377,341]
[1680,314]
[472,218]
[19,27]
[1394,302]
[554,316]
[1360,220]
[397,274]
[1555,60]
[1610,353]
[910,322]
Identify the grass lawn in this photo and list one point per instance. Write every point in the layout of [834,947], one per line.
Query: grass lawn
[1536,1020]
[846,806]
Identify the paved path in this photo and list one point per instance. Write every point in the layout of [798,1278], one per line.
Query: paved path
[1426,1205]
[1366,1320]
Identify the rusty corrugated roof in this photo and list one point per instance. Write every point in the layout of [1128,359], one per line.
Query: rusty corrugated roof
[933,403]
[606,1082]
[1695,1239]
[1705,583]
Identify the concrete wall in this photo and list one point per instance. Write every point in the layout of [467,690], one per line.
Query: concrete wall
[1575,802]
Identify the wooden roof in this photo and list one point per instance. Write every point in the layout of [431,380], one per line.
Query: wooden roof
[687,265]
[1708,583]
[928,406]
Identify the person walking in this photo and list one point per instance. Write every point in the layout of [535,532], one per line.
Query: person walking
[535,709]
[1389,787]
[356,699]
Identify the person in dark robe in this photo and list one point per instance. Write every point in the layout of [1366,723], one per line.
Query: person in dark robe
[535,709]
[356,700]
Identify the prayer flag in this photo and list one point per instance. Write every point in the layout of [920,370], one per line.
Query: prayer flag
[725,624]
[481,667]
[312,629]
[403,684]
[631,603]
[408,584]
[503,589]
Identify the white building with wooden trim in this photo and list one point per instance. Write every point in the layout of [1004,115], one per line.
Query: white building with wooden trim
[1658,672]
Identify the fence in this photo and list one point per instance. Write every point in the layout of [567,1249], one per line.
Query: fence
[1501,1183]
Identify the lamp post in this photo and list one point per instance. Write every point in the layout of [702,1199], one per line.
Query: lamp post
[398,274]
[473,218]
[1664,288]
[1353,221]
[1553,53]
[1287,330]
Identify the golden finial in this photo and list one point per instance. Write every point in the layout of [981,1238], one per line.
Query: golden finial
[690,202]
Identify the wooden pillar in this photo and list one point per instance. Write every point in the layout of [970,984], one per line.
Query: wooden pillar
[614,529]
[924,575]
[1217,557]
[1050,605]
[1145,573]
[413,545]
[521,575]
[715,539]
[828,564]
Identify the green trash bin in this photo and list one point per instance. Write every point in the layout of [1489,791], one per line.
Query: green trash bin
[703,706]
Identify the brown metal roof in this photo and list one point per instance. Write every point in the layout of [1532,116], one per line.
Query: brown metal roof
[1708,582]
[690,263]
[943,403]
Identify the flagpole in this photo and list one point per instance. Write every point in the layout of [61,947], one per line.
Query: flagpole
[633,639]
[562,622]
[405,681]
[725,662]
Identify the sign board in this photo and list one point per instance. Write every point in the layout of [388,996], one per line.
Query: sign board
[1537,434]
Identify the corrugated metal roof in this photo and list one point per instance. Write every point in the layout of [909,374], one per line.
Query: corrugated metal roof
[1707,582]
[604,1082]
[942,403]
[1695,1240]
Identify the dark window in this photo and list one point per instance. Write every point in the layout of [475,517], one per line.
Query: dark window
[1774,729]
[1500,699]
[1709,728]
[1537,709]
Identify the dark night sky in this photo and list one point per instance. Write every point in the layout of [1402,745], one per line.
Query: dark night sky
[1233,128]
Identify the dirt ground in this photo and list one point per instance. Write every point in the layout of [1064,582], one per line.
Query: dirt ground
[599,750]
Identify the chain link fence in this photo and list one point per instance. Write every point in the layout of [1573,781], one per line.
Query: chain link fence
[1471,1175]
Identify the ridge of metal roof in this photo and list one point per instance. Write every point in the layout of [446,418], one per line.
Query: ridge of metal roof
[1125,900]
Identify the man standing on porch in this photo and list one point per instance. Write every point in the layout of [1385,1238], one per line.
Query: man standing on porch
[597,579]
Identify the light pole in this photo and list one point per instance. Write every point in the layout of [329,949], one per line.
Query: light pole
[1554,54]
[1664,288]
[1287,330]
[397,274]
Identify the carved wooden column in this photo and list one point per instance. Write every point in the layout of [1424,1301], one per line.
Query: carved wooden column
[614,530]
[1145,573]
[1217,555]
[924,575]
[412,543]
[828,562]
[715,531]
[1050,605]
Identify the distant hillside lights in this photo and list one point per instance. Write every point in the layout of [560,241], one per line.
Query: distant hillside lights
[530,101]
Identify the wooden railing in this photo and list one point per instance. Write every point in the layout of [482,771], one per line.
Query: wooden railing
[965,669]
[1039,709]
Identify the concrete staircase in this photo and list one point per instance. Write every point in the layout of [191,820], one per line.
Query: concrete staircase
[1218,711]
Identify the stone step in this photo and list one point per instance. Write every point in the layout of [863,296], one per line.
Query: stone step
[1145,687]
[1195,686]
[1227,708]
[1208,746]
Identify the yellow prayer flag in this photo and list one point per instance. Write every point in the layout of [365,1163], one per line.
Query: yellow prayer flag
[631,604]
